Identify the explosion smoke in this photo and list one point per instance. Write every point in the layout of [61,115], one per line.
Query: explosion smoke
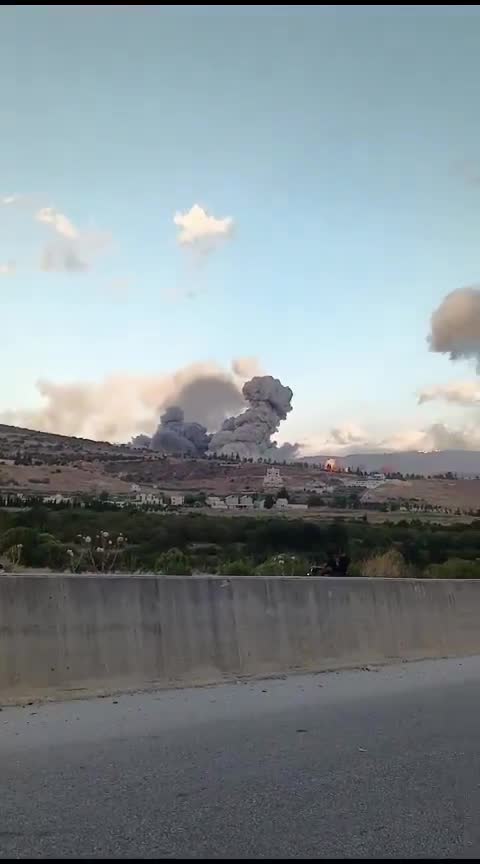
[250,434]
[175,436]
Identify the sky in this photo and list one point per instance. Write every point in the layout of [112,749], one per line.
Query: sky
[335,148]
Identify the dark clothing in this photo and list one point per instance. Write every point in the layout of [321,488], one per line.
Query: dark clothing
[343,563]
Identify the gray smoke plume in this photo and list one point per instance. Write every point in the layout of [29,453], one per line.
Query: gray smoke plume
[120,406]
[173,435]
[455,325]
[250,434]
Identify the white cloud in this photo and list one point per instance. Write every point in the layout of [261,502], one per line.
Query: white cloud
[436,436]
[69,249]
[122,405]
[200,230]
[61,223]
[464,393]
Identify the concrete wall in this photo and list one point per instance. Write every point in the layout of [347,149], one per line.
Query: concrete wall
[62,632]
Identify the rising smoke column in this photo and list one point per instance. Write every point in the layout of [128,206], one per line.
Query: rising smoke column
[174,435]
[250,434]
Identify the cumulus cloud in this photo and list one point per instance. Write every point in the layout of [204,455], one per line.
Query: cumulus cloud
[455,325]
[122,406]
[201,231]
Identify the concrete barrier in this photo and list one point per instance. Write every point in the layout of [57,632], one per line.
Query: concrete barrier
[75,632]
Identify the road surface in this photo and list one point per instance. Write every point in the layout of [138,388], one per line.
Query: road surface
[354,764]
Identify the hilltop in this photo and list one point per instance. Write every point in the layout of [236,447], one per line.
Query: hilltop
[44,462]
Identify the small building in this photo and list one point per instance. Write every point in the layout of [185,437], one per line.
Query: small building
[316,486]
[149,499]
[215,502]
[245,501]
[281,504]
[177,500]
[296,507]
[57,499]
[273,479]
[232,501]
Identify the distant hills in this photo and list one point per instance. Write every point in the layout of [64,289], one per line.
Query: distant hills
[464,463]
[51,449]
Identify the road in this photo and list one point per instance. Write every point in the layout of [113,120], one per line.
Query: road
[366,764]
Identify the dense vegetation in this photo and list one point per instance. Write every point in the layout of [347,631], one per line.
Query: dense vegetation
[133,541]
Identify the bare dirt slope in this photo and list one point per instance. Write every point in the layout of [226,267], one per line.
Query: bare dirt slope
[463,494]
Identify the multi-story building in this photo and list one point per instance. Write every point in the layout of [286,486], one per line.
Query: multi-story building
[273,479]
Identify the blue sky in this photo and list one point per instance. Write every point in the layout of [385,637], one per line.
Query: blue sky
[345,146]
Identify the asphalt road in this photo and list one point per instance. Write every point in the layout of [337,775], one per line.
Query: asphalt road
[355,764]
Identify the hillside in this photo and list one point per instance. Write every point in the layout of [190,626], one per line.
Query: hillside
[452,494]
[57,463]
[465,463]
[44,463]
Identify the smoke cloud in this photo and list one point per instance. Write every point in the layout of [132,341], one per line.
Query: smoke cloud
[246,367]
[455,325]
[174,435]
[250,434]
[122,406]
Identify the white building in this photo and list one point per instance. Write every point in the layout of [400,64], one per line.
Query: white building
[296,507]
[215,502]
[245,501]
[281,504]
[177,500]
[273,479]
[57,499]
[146,499]
[316,486]
[232,501]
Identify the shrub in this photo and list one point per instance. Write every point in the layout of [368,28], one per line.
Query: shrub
[240,567]
[173,563]
[454,568]
[388,565]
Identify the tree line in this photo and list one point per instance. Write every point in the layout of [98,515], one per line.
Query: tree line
[183,544]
